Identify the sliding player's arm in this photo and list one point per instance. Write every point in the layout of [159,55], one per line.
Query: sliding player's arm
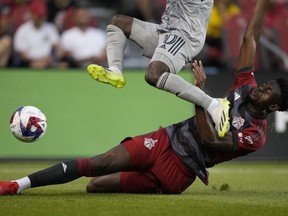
[205,127]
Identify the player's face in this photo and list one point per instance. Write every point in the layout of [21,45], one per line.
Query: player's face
[266,94]
[82,17]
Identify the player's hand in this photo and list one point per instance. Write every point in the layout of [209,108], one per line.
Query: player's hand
[199,73]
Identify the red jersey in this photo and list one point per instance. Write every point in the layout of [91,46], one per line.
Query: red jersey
[249,133]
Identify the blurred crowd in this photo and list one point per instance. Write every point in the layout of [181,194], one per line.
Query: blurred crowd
[70,34]
[226,28]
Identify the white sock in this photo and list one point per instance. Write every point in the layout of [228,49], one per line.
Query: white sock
[24,183]
[213,105]
[183,89]
[115,69]
[116,44]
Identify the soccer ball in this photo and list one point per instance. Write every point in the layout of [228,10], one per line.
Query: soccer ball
[28,124]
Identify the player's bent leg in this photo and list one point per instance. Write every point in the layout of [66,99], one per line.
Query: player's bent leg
[115,160]
[104,184]
[154,72]
[118,30]
[123,22]
[124,182]
[139,182]
[106,75]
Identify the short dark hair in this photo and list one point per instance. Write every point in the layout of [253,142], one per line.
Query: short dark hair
[283,84]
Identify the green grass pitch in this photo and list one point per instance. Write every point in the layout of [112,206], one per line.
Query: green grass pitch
[236,188]
[86,118]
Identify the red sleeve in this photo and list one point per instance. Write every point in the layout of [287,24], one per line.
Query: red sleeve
[244,76]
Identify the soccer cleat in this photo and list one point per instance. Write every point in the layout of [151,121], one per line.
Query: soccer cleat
[105,75]
[8,188]
[221,117]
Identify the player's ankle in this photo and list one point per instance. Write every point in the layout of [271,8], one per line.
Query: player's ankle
[213,106]
[115,69]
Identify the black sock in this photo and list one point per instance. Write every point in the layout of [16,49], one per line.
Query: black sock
[61,173]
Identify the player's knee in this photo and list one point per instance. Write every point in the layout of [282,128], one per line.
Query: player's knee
[150,78]
[103,184]
[94,187]
[123,22]
[153,73]
[90,188]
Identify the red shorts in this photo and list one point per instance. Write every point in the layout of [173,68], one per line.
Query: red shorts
[155,168]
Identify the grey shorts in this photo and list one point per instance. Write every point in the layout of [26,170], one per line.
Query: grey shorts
[173,48]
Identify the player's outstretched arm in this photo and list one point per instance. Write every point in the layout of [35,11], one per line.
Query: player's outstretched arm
[205,127]
[252,35]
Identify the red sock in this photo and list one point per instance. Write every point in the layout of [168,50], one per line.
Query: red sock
[84,167]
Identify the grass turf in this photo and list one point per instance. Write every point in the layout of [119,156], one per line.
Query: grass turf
[236,188]
[72,98]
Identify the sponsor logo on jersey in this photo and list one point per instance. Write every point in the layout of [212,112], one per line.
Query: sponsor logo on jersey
[249,139]
[238,122]
[236,96]
[149,143]
[240,135]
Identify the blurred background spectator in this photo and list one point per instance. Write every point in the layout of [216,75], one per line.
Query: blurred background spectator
[35,40]
[226,26]
[275,35]
[213,51]
[5,36]
[66,19]
[61,13]
[19,13]
[83,44]
[56,8]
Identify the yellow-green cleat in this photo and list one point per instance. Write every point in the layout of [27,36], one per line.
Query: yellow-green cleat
[105,75]
[222,124]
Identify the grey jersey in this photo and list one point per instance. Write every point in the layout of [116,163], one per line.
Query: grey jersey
[189,16]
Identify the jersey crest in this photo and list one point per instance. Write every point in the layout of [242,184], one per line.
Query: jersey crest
[149,143]
[238,122]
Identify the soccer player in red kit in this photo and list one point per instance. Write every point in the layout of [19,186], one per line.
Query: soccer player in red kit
[168,160]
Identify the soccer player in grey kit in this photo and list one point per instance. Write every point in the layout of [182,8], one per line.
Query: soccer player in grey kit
[168,160]
[170,45]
